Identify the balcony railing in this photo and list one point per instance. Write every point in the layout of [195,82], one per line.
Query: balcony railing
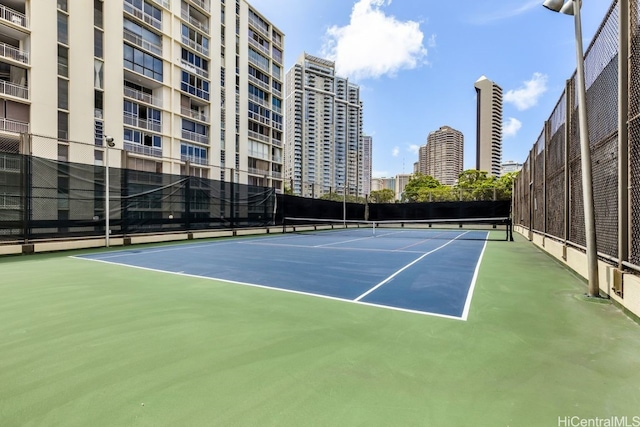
[203,4]
[259,83]
[11,52]
[200,93]
[259,26]
[196,137]
[258,118]
[142,15]
[194,114]
[196,23]
[142,96]
[276,174]
[15,17]
[195,45]
[142,149]
[139,41]
[164,3]
[258,100]
[193,159]
[9,164]
[260,172]
[259,65]
[152,125]
[192,68]
[14,126]
[258,136]
[13,89]
[260,47]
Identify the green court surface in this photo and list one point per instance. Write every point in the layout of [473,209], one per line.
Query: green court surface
[90,344]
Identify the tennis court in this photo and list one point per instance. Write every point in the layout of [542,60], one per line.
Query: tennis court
[94,343]
[424,271]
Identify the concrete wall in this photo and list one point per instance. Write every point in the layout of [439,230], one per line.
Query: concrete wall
[577,261]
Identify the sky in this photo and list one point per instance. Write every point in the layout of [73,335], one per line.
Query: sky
[416,62]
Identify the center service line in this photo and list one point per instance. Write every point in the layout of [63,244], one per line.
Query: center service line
[407,266]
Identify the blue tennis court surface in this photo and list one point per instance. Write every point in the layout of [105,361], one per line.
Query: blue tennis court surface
[431,272]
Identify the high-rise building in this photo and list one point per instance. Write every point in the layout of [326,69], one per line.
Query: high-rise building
[156,75]
[367,163]
[488,126]
[443,155]
[401,181]
[510,166]
[323,150]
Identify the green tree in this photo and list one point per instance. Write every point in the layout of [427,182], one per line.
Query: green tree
[386,195]
[417,189]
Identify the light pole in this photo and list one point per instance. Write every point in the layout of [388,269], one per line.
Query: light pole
[572,7]
[107,230]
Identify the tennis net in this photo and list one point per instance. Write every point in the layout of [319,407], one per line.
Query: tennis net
[461,228]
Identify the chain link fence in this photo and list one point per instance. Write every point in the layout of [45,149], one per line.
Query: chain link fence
[548,192]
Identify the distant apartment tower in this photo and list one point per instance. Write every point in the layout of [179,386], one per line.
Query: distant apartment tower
[401,181]
[378,184]
[183,86]
[324,144]
[510,166]
[367,163]
[443,155]
[488,126]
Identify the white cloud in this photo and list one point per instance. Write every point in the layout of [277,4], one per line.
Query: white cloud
[432,41]
[527,96]
[395,152]
[413,148]
[374,44]
[511,127]
[506,11]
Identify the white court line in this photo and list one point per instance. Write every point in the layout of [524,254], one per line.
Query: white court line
[331,248]
[407,266]
[291,291]
[467,303]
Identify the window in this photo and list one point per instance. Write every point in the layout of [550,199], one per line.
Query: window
[98,103]
[144,34]
[97,43]
[194,127]
[63,94]
[276,70]
[63,28]
[193,153]
[258,59]
[97,13]
[142,138]
[195,39]
[142,62]
[63,61]
[195,85]
[63,125]
[98,74]
[62,5]
[195,60]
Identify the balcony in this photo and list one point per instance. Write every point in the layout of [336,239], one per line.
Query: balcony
[194,114]
[193,159]
[16,18]
[257,82]
[142,96]
[13,89]
[164,3]
[258,136]
[261,172]
[10,163]
[202,4]
[200,93]
[142,15]
[11,52]
[140,42]
[196,70]
[259,65]
[195,45]
[152,125]
[258,100]
[261,48]
[202,26]
[142,149]
[258,118]
[195,137]
[260,26]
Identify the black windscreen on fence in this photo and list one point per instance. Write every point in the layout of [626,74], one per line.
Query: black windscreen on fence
[300,207]
[55,199]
